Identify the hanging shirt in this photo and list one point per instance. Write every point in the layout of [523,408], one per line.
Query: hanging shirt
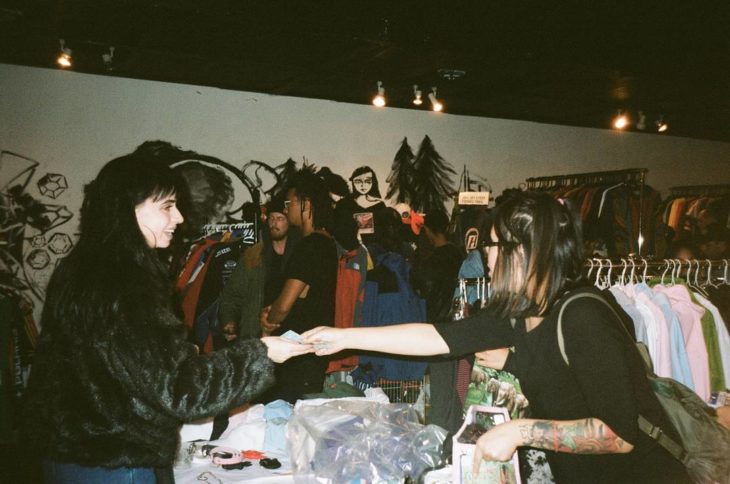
[663,361]
[628,306]
[722,336]
[680,361]
[349,297]
[690,315]
[650,324]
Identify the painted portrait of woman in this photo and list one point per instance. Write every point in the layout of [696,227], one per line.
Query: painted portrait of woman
[365,191]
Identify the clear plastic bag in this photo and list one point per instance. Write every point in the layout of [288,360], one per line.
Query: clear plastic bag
[346,441]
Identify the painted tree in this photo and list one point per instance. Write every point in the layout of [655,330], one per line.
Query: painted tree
[400,179]
[432,184]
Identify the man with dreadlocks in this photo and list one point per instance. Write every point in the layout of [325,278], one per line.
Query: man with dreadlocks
[307,299]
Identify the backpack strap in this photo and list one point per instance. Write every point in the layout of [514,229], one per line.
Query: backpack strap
[561,338]
[656,433]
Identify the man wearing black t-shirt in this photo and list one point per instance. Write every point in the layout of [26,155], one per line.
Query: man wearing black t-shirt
[307,299]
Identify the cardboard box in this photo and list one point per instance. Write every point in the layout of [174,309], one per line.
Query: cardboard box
[480,419]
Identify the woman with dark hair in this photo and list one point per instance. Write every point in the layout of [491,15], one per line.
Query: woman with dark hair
[584,414]
[113,377]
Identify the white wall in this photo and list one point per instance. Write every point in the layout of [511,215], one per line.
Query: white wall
[73,123]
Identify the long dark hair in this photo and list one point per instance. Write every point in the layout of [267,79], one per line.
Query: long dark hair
[374,189]
[540,254]
[111,261]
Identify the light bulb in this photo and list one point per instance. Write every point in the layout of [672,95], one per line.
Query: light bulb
[417,95]
[379,99]
[435,103]
[621,121]
[64,57]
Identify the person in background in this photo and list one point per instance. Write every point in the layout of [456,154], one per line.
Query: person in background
[307,298]
[258,278]
[113,377]
[434,277]
[715,242]
[682,249]
[583,414]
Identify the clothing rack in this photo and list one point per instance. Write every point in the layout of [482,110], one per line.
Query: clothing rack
[697,272]
[699,190]
[633,175]
[628,176]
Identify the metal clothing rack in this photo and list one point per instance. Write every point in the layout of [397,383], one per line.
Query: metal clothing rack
[700,272]
[631,175]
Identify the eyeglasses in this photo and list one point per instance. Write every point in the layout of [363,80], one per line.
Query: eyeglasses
[286,205]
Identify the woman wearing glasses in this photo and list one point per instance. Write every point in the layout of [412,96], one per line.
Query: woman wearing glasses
[583,414]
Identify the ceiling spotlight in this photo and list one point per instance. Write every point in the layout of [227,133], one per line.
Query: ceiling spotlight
[661,125]
[379,99]
[641,123]
[64,55]
[417,95]
[435,103]
[108,59]
[620,121]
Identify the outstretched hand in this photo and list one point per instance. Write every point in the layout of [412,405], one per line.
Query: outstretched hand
[325,340]
[281,349]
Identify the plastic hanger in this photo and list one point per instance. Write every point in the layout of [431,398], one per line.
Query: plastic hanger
[622,279]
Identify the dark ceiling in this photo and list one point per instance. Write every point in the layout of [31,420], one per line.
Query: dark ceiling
[570,62]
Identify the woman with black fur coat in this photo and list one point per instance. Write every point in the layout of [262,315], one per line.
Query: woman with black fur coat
[114,377]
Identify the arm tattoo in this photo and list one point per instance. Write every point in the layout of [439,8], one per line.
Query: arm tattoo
[585,436]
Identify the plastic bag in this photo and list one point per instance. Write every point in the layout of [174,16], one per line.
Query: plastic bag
[345,441]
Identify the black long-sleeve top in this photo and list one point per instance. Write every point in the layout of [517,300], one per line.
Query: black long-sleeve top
[605,379]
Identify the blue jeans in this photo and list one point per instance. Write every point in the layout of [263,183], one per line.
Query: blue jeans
[62,473]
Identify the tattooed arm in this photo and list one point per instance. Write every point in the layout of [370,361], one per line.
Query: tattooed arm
[584,436]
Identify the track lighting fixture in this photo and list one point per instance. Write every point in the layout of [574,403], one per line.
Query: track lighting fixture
[620,121]
[108,59]
[64,56]
[661,125]
[435,104]
[417,95]
[379,99]
[641,123]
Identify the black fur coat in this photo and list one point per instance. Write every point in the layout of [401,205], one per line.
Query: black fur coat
[113,392]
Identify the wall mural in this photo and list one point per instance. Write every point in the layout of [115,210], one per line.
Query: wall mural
[35,233]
